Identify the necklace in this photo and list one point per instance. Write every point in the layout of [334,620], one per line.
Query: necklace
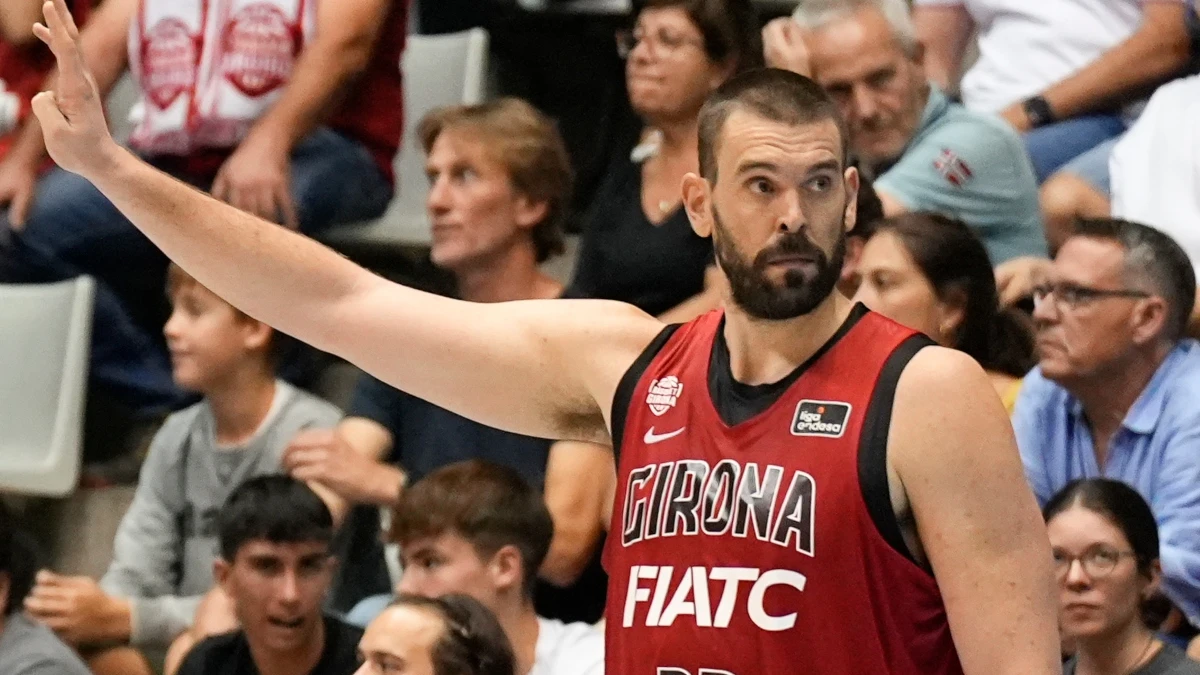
[1140,661]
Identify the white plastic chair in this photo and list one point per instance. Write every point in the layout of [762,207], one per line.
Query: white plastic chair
[45,339]
[439,70]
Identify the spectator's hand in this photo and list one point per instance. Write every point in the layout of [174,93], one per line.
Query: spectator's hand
[784,47]
[257,179]
[17,183]
[1015,278]
[72,116]
[1016,116]
[77,610]
[323,456]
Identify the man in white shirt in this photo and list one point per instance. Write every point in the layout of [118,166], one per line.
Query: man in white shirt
[478,528]
[1070,75]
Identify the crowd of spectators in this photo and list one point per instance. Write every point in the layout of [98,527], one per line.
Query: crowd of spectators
[1026,198]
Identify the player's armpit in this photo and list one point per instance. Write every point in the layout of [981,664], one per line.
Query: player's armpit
[545,368]
[952,447]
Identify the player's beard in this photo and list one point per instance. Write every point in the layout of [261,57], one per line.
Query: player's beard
[800,292]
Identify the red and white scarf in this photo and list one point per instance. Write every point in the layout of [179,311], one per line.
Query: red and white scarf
[208,69]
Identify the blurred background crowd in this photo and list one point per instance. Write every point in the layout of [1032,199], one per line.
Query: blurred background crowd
[186,490]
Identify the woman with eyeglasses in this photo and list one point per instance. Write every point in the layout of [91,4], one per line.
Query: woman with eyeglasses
[932,273]
[1105,544]
[637,243]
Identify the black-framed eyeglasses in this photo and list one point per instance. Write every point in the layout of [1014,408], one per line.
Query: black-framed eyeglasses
[1098,562]
[1074,295]
[628,40]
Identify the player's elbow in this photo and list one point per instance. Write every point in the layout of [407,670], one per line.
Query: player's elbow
[570,552]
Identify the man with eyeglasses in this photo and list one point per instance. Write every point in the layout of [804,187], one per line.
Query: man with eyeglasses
[1116,392]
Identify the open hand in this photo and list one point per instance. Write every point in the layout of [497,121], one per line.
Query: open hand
[784,47]
[77,610]
[72,116]
[257,179]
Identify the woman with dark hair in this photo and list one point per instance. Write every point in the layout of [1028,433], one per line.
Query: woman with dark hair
[450,635]
[1105,544]
[637,244]
[932,273]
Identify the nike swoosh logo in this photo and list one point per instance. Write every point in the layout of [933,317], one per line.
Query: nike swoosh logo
[652,438]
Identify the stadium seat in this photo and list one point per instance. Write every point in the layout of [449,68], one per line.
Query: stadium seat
[45,337]
[439,70]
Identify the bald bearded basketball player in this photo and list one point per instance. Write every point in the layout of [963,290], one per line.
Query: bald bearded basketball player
[804,486]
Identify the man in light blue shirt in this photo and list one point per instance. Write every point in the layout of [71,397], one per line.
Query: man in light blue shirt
[1117,389]
[926,152]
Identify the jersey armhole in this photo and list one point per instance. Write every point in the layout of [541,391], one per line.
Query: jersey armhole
[873,442]
[624,394]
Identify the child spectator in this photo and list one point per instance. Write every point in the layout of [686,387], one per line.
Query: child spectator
[165,546]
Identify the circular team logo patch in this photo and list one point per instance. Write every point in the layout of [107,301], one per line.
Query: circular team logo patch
[260,46]
[169,58]
[664,394]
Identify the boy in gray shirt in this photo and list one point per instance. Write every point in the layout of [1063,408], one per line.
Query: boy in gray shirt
[165,546]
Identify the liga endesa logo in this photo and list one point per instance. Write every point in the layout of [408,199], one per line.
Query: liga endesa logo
[821,418]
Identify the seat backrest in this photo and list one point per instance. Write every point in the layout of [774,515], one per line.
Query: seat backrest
[439,70]
[45,339]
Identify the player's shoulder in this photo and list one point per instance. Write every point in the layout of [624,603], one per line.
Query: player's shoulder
[941,377]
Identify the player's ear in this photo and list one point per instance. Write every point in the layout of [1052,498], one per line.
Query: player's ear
[851,181]
[697,197]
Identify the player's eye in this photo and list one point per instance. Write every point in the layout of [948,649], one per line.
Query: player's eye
[761,186]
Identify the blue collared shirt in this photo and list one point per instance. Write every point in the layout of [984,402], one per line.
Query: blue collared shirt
[1156,450]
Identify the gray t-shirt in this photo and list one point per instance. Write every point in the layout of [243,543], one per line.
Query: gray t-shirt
[1170,660]
[165,546]
[29,648]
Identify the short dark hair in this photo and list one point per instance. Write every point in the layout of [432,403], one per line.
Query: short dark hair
[952,258]
[1120,505]
[18,560]
[472,642]
[1151,256]
[773,94]
[277,508]
[487,504]
[731,28]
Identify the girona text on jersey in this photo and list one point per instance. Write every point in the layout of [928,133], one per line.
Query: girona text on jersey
[753,532]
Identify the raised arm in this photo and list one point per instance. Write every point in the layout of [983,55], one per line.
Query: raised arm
[542,368]
[944,30]
[952,449]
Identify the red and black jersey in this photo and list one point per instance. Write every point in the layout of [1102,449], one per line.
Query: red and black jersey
[752,531]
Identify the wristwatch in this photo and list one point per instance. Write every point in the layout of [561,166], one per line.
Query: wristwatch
[1037,108]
